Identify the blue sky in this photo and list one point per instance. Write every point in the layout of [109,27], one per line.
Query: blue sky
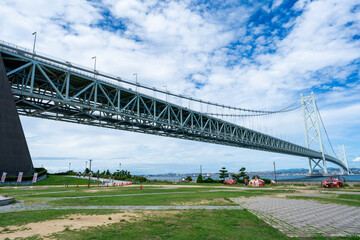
[250,54]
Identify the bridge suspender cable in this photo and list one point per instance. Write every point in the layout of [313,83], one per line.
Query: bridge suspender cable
[327,136]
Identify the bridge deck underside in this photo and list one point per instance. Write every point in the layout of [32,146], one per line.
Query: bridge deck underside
[55,90]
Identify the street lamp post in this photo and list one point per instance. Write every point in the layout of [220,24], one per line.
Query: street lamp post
[34,33]
[166,91]
[136,82]
[275,172]
[94,63]
[69,166]
[89,174]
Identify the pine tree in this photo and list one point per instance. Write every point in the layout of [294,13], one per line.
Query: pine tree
[199,179]
[223,173]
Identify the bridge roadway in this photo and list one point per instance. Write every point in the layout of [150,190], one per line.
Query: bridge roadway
[54,89]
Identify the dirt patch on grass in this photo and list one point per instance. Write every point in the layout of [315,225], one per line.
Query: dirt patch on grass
[69,222]
[201,202]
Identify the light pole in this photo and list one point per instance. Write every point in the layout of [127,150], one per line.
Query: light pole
[94,63]
[119,167]
[69,166]
[165,91]
[89,174]
[34,33]
[275,172]
[135,74]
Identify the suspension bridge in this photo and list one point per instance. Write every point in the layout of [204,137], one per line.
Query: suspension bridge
[45,87]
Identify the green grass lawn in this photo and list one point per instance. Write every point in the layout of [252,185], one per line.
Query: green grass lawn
[58,180]
[189,224]
[181,196]
[169,224]
[61,180]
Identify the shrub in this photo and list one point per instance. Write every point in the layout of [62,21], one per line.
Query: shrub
[199,179]
[266,180]
[210,180]
[188,179]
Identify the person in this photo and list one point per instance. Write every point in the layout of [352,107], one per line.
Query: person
[246,182]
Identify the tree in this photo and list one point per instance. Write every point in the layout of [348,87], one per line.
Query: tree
[199,179]
[223,173]
[108,173]
[255,176]
[239,177]
[87,170]
[188,179]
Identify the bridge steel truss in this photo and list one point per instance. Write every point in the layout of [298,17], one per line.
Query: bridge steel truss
[52,89]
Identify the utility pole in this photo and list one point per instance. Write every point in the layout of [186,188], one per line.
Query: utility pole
[35,34]
[200,169]
[89,174]
[275,172]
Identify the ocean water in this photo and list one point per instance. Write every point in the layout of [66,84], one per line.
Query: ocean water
[280,178]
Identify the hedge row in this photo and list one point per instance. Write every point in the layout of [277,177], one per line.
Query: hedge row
[40,171]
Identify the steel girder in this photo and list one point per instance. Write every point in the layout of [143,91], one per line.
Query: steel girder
[52,89]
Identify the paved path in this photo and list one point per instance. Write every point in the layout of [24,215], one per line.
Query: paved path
[304,218]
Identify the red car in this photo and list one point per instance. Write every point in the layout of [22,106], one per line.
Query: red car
[332,183]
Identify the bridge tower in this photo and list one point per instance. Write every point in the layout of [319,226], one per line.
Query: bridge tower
[14,152]
[312,131]
[343,159]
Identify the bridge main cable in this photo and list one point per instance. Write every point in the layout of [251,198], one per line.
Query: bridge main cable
[92,72]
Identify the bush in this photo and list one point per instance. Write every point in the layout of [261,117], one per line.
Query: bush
[188,179]
[141,179]
[199,179]
[299,184]
[267,181]
[210,180]
[40,171]
[65,173]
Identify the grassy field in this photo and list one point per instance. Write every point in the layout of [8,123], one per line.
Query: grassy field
[180,196]
[147,224]
[195,224]
[61,180]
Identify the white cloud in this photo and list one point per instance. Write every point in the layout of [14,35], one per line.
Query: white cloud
[356,159]
[165,42]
